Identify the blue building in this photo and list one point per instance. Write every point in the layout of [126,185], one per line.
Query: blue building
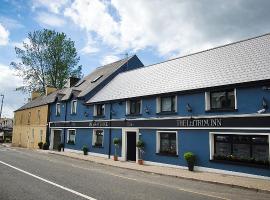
[214,103]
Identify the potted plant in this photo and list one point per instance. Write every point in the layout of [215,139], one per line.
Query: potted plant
[140,146]
[60,146]
[45,146]
[71,142]
[116,142]
[40,145]
[85,150]
[190,158]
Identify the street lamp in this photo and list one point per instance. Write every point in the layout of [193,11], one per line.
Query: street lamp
[1,104]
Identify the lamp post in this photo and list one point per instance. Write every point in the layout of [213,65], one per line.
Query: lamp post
[1,104]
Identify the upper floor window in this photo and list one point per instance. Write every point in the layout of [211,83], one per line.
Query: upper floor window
[99,110]
[134,107]
[29,118]
[38,116]
[221,100]
[166,104]
[58,109]
[73,107]
[97,139]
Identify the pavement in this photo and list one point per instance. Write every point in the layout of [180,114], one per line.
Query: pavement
[231,180]
[30,174]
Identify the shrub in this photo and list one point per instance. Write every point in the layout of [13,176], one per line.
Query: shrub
[85,150]
[60,146]
[190,157]
[116,141]
[45,146]
[40,145]
[140,144]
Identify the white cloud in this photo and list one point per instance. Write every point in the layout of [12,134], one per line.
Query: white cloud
[109,59]
[52,5]
[20,44]
[4,34]
[9,82]
[50,19]
[90,47]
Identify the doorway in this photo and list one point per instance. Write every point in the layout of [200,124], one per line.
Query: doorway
[55,139]
[131,146]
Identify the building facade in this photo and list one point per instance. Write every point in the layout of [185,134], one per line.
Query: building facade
[213,103]
[6,127]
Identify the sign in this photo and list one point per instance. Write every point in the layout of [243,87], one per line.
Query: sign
[217,122]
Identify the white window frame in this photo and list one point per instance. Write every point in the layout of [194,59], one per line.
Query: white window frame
[208,100]
[75,109]
[56,109]
[68,135]
[212,145]
[95,108]
[128,107]
[158,103]
[158,140]
[94,136]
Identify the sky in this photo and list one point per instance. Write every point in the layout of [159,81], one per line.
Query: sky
[105,30]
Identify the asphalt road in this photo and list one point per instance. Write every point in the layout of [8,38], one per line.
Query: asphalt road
[27,175]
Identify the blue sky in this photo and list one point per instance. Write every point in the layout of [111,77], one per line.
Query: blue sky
[103,31]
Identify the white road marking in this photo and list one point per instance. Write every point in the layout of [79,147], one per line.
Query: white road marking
[49,182]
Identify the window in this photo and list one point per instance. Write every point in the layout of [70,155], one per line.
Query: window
[38,116]
[58,109]
[73,107]
[71,136]
[97,139]
[29,118]
[166,104]
[41,135]
[33,135]
[167,143]
[134,107]
[242,148]
[222,100]
[99,110]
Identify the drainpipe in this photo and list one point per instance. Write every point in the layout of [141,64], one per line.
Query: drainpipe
[64,142]
[47,125]
[110,132]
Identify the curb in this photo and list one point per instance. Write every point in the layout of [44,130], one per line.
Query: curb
[187,178]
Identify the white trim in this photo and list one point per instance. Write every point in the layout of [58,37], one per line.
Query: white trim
[127,107]
[211,139]
[68,135]
[124,142]
[207,169]
[95,109]
[94,136]
[207,101]
[158,104]
[158,140]
[235,99]
[73,101]
[56,109]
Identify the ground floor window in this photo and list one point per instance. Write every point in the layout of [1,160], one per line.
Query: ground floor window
[167,142]
[97,139]
[242,148]
[71,136]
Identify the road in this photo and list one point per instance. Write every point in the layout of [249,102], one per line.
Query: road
[27,174]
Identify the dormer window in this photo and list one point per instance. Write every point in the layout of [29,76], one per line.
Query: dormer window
[99,110]
[73,107]
[133,107]
[166,104]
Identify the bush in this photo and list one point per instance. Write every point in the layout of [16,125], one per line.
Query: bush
[85,150]
[116,141]
[60,146]
[140,144]
[40,145]
[45,146]
[190,157]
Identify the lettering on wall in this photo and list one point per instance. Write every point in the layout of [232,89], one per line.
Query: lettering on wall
[99,124]
[217,122]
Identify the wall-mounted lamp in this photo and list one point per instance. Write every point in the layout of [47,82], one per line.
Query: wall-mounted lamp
[264,106]
[188,107]
[147,110]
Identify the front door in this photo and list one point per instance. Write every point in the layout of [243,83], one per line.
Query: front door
[131,146]
[56,138]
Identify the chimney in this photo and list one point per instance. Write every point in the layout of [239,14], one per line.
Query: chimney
[35,95]
[72,81]
[50,90]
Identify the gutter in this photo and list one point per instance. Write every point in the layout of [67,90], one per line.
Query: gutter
[64,143]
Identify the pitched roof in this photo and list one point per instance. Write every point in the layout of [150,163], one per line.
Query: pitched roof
[83,87]
[238,62]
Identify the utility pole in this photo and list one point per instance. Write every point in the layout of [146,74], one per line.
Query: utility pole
[1,105]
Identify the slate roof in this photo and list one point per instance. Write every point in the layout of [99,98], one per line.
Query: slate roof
[239,62]
[83,87]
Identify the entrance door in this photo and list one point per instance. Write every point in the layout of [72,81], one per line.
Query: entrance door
[131,146]
[56,138]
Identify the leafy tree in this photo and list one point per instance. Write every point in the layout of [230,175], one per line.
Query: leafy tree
[49,58]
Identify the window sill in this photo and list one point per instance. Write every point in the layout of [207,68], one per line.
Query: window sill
[221,110]
[167,154]
[133,115]
[167,113]
[99,147]
[71,143]
[73,113]
[231,162]
[99,116]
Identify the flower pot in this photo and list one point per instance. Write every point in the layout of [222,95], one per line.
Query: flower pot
[191,166]
[115,158]
[85,153]
[140,162]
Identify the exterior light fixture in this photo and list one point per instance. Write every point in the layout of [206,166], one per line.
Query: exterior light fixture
[264,106]
[188,107]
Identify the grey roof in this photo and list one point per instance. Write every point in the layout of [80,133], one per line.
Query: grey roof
[83,87]
[239,62]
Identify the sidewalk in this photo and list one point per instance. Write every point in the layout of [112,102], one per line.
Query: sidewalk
[234,181]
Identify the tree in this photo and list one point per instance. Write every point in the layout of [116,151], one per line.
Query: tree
[49,58]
